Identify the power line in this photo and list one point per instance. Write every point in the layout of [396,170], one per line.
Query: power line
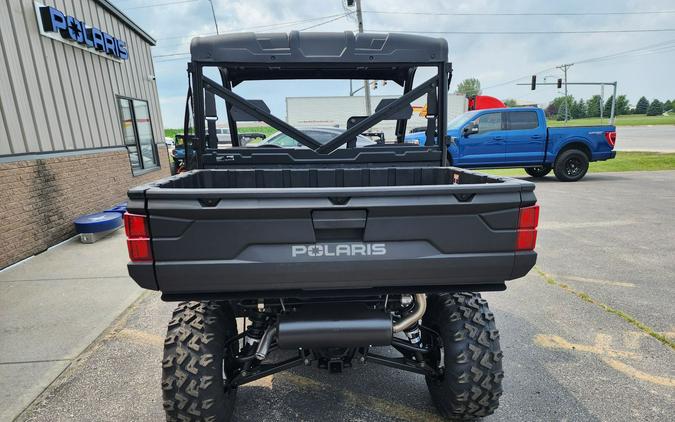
[268,26]
[326,22]
[302,29]
[170,55]
[651,12]
[147,6]
[648,49]
[585,32]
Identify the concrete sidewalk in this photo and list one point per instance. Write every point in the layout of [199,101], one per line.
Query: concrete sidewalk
[53,306]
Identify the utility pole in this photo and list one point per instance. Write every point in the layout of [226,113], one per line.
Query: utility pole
[564,68]
[213,12]
[366,83]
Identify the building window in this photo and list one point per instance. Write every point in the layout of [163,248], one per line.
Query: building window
[137,132]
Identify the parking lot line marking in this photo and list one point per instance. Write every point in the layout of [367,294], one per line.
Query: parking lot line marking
[597,281]
[635,373]
[601,346]
[626,317]
[382,406]
[607,355]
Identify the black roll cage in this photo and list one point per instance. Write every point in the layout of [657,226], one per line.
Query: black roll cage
[201,86]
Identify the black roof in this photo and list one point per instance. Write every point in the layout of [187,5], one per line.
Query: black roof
[318,47]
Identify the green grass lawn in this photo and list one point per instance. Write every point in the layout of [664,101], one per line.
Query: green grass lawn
[624,161]
[628,120]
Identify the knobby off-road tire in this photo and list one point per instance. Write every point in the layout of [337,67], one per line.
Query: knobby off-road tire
[471,383]
[571,165]
[538,171]
[194,358]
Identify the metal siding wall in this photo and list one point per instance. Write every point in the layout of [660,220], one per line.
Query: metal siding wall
[105,69]
[50,87]
[17,87]
[57,97]
[4,134]
[64,90]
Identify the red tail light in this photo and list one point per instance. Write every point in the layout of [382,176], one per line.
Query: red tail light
[528,220]
[139,250]
[610,137]
[138,237]
[135,225]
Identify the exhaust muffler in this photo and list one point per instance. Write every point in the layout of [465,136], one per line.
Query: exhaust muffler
[334,325]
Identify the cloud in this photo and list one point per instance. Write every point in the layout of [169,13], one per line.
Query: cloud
[493,59]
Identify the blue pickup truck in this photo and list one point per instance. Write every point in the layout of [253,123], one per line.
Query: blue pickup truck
[519,137]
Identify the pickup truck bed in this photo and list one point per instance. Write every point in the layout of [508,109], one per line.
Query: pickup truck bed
[255,232]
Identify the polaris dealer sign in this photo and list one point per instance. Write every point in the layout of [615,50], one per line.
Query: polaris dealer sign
[58,26]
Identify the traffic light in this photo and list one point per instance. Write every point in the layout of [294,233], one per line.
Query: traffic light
[534,82]
[350,3]
[559,83]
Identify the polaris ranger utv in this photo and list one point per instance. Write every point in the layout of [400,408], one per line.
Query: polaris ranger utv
[326,252]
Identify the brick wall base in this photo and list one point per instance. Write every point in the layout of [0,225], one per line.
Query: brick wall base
[41,198]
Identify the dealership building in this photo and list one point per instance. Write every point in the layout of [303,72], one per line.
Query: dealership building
[80,121]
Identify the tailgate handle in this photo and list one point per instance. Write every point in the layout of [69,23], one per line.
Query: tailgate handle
[339,219]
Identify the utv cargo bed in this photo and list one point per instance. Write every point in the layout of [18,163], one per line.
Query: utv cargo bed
[301,231]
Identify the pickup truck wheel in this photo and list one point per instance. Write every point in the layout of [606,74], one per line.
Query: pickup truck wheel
[470,358]
[197,363]
[571,165]
[538,171]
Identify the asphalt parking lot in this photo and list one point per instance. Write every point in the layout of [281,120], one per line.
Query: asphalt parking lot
[606,255]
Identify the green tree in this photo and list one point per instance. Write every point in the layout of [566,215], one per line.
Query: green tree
[607,109]
[593,106]
[510,102]
[550,110]
[655,108]
[622,105]
[578,110]
[469,87]
[562,107]
[620,108]
[668,105]
[641,106]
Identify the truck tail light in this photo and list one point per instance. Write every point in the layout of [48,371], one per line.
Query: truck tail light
[138,237]
[528,220]
[610,137]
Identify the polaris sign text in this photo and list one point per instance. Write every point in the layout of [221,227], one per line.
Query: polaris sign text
[57,25]
[339,249]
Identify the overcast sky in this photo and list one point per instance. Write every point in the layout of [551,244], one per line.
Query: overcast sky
[492,58]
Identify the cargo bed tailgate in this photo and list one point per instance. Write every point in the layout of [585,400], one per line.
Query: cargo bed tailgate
[243,240]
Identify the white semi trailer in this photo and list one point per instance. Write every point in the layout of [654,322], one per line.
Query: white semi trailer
[334,111]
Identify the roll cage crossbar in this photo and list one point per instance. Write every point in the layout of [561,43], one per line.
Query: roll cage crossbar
[209,53]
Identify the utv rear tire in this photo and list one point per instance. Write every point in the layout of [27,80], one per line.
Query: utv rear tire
[571,165]
[471,382]
[538,171]
[194,358]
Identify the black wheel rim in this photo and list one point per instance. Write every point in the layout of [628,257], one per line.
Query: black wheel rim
[573,167]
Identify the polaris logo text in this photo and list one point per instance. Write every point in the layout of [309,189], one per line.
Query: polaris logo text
[339,249]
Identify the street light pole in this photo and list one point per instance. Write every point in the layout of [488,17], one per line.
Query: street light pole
[213,12]
[366,83]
